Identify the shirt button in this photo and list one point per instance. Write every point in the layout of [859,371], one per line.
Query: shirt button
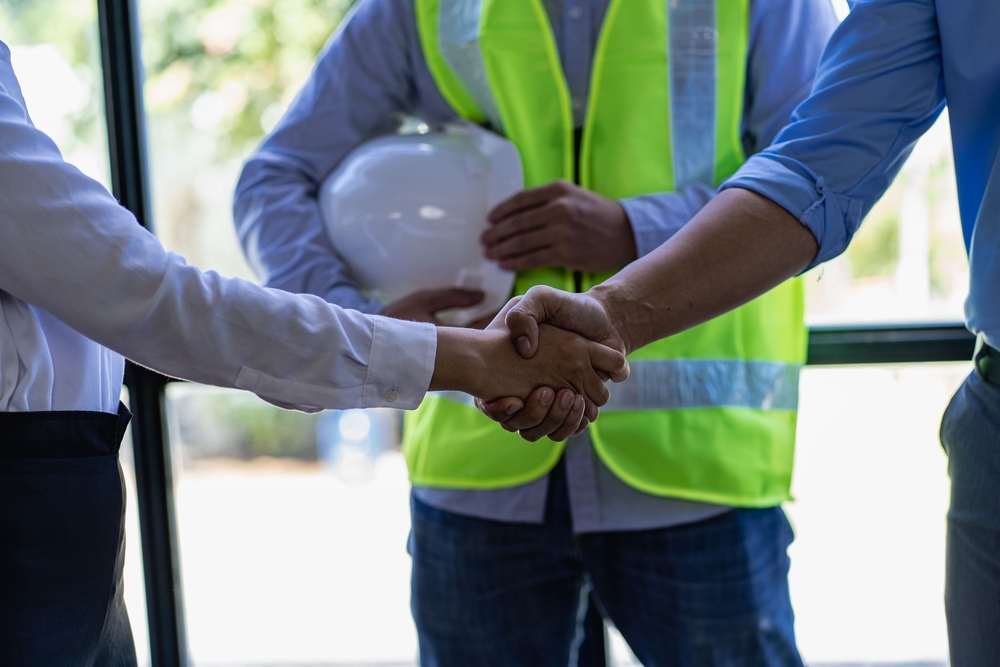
[576,12]
[577,104]
[391,396]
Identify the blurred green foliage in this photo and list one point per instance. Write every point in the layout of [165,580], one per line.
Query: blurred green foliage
[244,60]
[70,26]
[237,425]
[874,252]
[235,63]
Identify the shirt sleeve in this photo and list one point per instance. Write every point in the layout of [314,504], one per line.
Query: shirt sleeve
[786,42]
[68,248]
[878,89]
[360,87]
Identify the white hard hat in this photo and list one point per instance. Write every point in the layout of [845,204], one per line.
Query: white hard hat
[405,213]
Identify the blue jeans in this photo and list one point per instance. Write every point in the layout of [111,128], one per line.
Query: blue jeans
[709,593]
[970,433]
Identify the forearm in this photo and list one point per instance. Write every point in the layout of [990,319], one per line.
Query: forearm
[655,219]
[738,247]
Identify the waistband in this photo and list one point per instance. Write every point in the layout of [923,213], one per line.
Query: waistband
[57,434]
[987,361]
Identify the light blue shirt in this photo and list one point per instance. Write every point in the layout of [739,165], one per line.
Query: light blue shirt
[370,74]
[884,79]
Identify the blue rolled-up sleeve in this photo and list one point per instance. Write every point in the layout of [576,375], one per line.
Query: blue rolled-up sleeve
[878,89]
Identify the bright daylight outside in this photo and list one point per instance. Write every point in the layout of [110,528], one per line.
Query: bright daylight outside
[293,527]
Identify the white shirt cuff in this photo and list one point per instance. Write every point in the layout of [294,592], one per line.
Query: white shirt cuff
[401,363]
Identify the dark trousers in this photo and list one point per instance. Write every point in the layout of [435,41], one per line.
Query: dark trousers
[62,540]
[711,593]
[970,433]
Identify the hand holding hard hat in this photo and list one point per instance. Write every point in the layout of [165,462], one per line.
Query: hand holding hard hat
[406,212]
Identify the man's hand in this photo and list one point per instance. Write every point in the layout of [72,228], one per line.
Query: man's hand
[486,365]
[544,413]
[587,314]
[424,305]
[538,416]
[559,224]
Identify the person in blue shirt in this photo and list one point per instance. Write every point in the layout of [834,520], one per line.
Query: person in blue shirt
[372,72]
[886,75]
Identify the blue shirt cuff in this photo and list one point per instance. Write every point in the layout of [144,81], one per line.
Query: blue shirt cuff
[832,218]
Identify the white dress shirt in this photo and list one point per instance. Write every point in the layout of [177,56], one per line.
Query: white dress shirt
[82,284]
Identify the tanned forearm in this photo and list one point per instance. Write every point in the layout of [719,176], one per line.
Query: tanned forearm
[738,247]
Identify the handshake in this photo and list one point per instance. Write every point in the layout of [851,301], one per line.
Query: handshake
[541,365]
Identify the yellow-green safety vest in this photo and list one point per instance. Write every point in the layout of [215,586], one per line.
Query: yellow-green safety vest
[708,414]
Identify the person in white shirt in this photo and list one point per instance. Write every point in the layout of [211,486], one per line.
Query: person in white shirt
[82,286]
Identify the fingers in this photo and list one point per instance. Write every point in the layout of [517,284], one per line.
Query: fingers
[609,361]
[595,391]
[536,408]
[533,260]
[452,298]
[528,198]
[521,223]
[500,409]
[545,304]
[523,317]
[519,244]
[554,421]
[580,313]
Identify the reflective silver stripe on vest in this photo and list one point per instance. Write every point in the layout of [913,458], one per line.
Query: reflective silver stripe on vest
[676,384]
[454,396]
[706,383]
[458,37]
[692,59]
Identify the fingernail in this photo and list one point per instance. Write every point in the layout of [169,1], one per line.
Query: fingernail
[567,400]
[489,253]
[512,409]
[547,396]
[523,345]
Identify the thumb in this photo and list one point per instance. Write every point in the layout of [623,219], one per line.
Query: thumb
[522,319]
[579,313]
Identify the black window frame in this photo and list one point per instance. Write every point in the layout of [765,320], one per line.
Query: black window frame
[122,67]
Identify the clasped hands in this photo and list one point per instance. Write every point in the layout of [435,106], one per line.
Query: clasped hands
[551,381]
[541,365]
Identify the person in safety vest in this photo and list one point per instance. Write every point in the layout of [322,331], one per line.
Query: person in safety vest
[885,78]
[627,114]
[81,287]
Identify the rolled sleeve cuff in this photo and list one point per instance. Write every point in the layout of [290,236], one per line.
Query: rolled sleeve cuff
[832,218]
[401,363]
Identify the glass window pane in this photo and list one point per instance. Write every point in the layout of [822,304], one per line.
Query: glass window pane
[907,263]
[871,494]
[292,532]
[219,73]
[871,488]
[135,582]
[58,64]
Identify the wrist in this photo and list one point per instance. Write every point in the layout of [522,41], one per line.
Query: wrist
[460,361]
[614,303]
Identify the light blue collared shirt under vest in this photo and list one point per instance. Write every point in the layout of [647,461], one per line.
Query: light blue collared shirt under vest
[372,72]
